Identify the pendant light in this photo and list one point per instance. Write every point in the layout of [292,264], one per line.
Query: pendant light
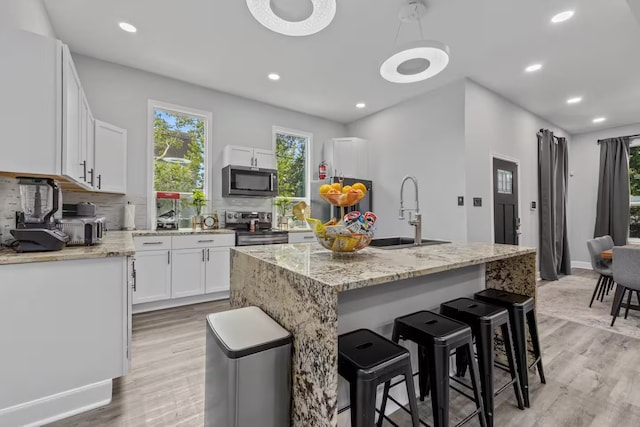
[416,61]
[323,13]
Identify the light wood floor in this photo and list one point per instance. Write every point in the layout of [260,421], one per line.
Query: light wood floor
[593,377]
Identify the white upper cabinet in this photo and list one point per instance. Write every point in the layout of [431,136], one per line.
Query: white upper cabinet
[74,164]
[110,158]
[249,157]
[347,157]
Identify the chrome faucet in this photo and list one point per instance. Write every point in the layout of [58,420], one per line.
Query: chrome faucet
[417,221]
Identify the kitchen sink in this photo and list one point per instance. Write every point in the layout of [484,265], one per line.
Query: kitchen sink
[401,243]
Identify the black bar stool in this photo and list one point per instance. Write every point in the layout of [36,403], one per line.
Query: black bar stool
[436,337]
[521,308]
[483,319]
[365,360]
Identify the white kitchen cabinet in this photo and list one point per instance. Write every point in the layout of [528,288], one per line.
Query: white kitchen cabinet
[218,270]
[87,145]
[249,157]
[302,237]
[110,158]
[73,163]
[348,157]
[187,272]
[153,276]
[264,159]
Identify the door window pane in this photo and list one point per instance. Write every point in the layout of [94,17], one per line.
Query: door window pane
[505,182]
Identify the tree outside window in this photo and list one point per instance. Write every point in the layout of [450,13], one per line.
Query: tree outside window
[292,151]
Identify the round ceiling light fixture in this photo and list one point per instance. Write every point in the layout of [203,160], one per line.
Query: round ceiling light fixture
[415,62]
[361,105]
[125,26]
[599,119]
[574,100]
[562,16]
[323,13]
[274,76]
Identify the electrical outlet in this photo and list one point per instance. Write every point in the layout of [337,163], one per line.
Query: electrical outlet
[533,206]
[460,200]
[477,201]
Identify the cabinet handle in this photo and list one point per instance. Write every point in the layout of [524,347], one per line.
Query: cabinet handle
[151,243]
[99,182]
[308,237]
[91,172]
[84,171]
[206,241]
[168,257]
[134,274]
[207,255]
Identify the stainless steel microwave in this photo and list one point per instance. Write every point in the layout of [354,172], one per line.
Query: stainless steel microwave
[247,181]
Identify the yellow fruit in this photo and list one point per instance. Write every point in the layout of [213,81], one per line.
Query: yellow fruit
[346,188]
[336,185]
[360,186]
[333,191]
[360,192]
[324,189]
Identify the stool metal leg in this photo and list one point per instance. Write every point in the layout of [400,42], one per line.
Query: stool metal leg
[439,373]
[475,383]
[363,404]
[423,372]
[518,331]
[537,351]
[508,345]
[484,343]
[411,392]
[395,337]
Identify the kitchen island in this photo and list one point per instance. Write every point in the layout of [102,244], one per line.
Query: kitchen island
[317,296]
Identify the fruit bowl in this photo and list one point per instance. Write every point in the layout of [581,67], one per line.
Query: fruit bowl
[342,199]
[343,243]
[341,238]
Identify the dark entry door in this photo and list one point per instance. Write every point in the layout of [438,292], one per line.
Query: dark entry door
[505,202]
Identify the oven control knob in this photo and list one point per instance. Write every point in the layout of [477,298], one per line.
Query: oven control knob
[235,215]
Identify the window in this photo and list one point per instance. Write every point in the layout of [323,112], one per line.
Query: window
[634,177]
[292,150]
[178,143]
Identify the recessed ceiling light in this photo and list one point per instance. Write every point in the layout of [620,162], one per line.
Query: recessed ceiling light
[415,62]
[361,105]
[562,16]
[599,119]
[127,27]
[533,67]
[323,13]
[574,100]
[274,76]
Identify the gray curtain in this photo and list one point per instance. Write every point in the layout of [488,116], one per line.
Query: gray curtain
[553,174]
[612,215]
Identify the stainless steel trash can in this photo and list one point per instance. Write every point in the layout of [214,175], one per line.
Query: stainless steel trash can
[248,370]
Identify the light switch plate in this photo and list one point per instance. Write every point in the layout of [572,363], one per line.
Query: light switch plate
[460,200]
[477,201]
[533,206]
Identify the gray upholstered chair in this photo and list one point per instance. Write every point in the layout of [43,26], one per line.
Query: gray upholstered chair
[626,273]
[605,281]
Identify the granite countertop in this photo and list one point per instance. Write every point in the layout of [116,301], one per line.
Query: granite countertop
[115,243]
[373,266]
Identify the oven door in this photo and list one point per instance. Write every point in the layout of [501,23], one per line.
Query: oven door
[246,238]
[244,181]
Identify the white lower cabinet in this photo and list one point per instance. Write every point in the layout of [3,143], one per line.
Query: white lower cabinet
[181,266]
[218,270]
[302,237]
[187,272]
[153,276]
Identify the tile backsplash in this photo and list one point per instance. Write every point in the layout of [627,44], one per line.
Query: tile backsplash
[9,205]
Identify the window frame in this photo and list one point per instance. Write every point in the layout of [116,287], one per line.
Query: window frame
[302,134]
[207,116]
[635,143]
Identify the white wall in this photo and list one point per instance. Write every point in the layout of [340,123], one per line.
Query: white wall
[584,164]
[29,15]
[495,126]
[119,95]
[423,137]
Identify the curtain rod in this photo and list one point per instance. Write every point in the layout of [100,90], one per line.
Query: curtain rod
[554,137]
[628,136]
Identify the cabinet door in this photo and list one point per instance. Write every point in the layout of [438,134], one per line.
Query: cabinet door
[264,159]
[187,272]
[302,237]
[153,276]
[238,156]
[73,165]
[86,139]
[110,158]
[218,270]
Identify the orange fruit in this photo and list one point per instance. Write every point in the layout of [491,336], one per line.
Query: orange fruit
[346,188]
[324,189]
[360,192]
[336,185]
[360,186]
[333,191]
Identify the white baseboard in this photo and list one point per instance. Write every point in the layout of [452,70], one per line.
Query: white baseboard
[58,406]
[178,302]
[581,264]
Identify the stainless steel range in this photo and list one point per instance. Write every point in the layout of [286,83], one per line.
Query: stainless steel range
[254,228]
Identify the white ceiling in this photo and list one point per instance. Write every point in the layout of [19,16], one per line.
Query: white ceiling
[218,44]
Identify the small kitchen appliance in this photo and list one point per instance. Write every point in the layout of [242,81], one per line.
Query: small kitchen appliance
[81,224]
[35,225]
[260,222]
[167,210]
